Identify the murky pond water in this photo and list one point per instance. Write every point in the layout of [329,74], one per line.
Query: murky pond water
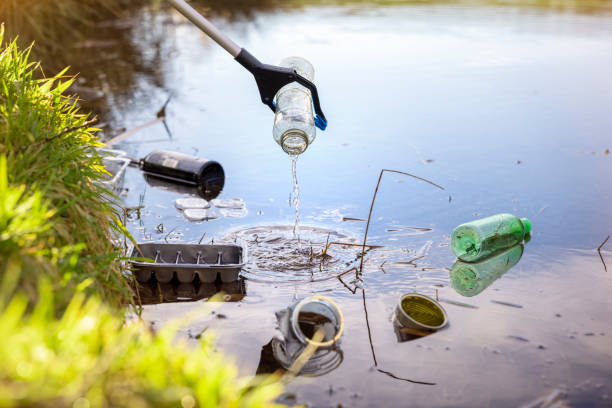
[509,109]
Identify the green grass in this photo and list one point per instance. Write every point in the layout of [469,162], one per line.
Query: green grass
[64,340]
[89,357]
[50,148]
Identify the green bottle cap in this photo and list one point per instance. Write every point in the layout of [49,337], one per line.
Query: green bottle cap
[527,225]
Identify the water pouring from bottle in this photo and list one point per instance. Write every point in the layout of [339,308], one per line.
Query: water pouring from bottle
[294,126]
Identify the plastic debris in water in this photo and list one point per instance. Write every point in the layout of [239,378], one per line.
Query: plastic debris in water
[469,279]
[200,214]
[236,203]
[184,203]
[420,312]
[299,325]
[480,238]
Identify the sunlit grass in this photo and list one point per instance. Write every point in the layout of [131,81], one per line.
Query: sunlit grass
[64,340]
[89,357]
[44,154]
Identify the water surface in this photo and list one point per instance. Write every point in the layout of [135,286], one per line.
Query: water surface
[507,108]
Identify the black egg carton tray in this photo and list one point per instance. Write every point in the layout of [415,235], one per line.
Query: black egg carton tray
[185,262]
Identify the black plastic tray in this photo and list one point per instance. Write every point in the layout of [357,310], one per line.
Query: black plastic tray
[186,261]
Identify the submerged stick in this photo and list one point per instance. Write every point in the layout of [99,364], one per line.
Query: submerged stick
[365,309]
[365,235]
[340,275]
[410,262]
[160,117]
[599,252]
[404,379]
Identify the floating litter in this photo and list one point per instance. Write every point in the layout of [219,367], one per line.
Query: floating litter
[317,313]
[233,212]
[186,261]
[237,203]
[298,324]
[190,202]
[200,214]
[420,312]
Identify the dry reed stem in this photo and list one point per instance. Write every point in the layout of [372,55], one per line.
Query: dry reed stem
[365,235]
[410,262]
[599,252]
[339,276]
[365,309]
[160,117]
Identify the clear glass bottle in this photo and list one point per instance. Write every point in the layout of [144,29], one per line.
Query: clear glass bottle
[294,126]
[480,238]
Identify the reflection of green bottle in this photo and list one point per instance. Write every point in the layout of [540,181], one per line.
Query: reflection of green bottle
[469,279]
[480,238]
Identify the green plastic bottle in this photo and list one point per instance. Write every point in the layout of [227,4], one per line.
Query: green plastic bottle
[471,278]
[478,239]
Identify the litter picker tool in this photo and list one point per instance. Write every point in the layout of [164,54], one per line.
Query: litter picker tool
[270,79]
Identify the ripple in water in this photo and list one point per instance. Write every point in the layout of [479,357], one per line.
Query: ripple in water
[275,254]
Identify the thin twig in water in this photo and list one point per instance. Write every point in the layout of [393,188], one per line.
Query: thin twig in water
[365,235]
[404,379]
[171,231]
[347,286]
[365,309]
[410,262]
[347,271]
[339,276]
[352,219]
[599,252]
[160,117]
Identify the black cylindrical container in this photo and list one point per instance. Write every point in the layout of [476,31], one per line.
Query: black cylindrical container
[206,175]
[182,188]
